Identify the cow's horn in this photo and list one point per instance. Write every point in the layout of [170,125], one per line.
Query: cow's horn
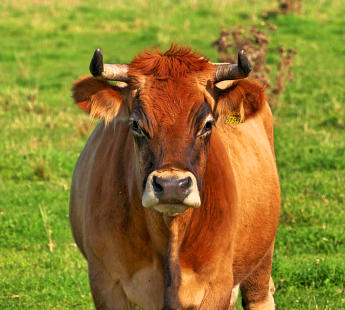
[114,72]
[226,71]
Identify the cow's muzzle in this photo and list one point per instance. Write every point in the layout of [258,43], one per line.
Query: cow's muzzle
[171,191]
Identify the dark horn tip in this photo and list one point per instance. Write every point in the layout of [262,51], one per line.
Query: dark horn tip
[96,64]
[244,63]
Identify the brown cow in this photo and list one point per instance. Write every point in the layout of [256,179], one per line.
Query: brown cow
[173,204]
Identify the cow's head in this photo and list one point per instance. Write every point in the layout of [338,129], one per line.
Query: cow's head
[172,105]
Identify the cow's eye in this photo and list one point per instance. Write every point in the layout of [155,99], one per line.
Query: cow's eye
[136,128]
[207,127]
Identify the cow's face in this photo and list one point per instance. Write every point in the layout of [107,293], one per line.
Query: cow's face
[171,123]
[171,104]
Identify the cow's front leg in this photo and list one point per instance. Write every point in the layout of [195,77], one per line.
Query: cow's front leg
[107,293]
[258,289]
[218,295]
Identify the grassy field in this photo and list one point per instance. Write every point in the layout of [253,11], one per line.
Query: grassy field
[45,45]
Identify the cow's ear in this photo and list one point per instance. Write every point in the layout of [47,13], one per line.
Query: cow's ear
[97,97]
[242,99]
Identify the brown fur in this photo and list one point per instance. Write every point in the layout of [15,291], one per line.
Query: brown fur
[136,255]
[173,64]
[97,97]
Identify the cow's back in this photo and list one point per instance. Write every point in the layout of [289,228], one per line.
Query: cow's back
[251,153]
[95,179]
[109,226]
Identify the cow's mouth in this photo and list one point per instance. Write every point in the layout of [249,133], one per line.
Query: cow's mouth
[171,209]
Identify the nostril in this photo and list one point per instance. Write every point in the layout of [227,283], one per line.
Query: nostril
[156,186]
[185,184]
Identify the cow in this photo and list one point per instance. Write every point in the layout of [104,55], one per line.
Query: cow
[175,198]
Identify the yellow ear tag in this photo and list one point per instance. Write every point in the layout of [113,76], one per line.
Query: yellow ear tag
[233,118]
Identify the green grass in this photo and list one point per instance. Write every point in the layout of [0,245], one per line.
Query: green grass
[45,45]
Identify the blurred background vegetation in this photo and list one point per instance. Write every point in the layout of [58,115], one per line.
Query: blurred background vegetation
[45,45]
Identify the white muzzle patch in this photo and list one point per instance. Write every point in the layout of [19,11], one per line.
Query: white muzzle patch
[151,198]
